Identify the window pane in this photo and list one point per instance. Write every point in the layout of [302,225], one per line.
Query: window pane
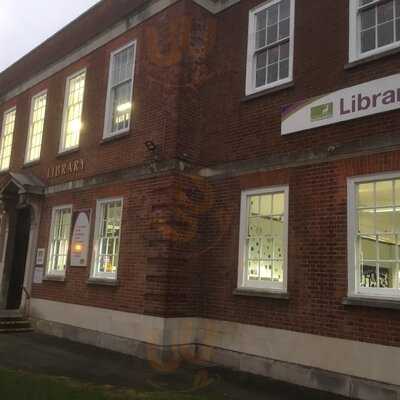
[384,220]
[261,75]
[284,29]
[59,244]
[272,34]
[108,238]
[379,225]
[385,12]
[273,15]
[273,55]
[366,195]
[35,133]
[385,34]
[265,246]
[387,275]
[284,69]
[73,112]
[261,37]
[121,106]
[120,90]
[384,194]
[387,247]
[272,73]
[261,20]
[368,18]
[284,11]
[368,248]
[368,41]
[6,140]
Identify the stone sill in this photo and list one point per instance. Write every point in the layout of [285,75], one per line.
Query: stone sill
[261,293]
[102,282]
[68,152]
[371,302]
[374,57]
[267,91]
[54,278]
[115,137]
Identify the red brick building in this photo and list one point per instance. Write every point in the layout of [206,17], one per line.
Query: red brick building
[220,178]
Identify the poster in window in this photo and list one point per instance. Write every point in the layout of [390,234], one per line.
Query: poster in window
[80,238]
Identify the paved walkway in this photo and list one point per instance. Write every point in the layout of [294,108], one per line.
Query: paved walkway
[53,356]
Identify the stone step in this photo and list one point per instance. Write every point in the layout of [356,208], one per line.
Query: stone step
[12,324]
[16,330]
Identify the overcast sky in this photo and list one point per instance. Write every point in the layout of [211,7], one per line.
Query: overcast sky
[24,24]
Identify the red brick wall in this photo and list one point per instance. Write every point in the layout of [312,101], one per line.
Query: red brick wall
[155,111]
[180,234]
[317,255]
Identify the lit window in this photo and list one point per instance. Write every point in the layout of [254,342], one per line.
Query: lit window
[72,118]
[263,239]
[270,45]
[374,218]
[59,240]
[6,139]
[374,27]
[36,124]
[120,91]
[107,238]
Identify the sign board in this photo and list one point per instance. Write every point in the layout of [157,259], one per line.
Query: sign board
[369,98]
[40,255]
[69,168]
[80,238]
[38,275]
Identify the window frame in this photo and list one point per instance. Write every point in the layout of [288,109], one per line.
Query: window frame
[51,272]
[62,148]
[243,283]
[251,50]
[354,289]
[355,34]
[107,131]
[29,138]
[8,111]
[107,276]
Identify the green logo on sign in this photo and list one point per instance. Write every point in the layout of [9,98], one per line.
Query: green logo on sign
[323,111]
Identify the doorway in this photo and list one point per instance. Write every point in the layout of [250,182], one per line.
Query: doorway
[19,255]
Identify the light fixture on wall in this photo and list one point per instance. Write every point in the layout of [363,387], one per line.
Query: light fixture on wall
[153,149]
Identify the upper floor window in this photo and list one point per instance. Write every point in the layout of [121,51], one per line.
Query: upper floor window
[107,238]
[263,239]
[374,235]
[6,140]
[120,91]
[270,45]
[374,27]
[36,125]
[72,116]
[59,240]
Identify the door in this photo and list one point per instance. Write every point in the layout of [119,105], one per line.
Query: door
[18,263]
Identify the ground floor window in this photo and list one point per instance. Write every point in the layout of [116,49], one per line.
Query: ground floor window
[374,235]
[263,239]
[59,240]
[107,238]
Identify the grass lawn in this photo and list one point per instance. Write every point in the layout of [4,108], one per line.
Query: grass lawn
[18,385]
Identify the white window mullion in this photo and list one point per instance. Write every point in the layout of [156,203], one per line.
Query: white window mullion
[119,103]
[59,240]
[107,242]
[72,115]
[264,230]
[6,139]
[36,126]
[270,59]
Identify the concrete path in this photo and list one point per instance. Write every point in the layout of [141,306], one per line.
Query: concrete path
[53,356]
